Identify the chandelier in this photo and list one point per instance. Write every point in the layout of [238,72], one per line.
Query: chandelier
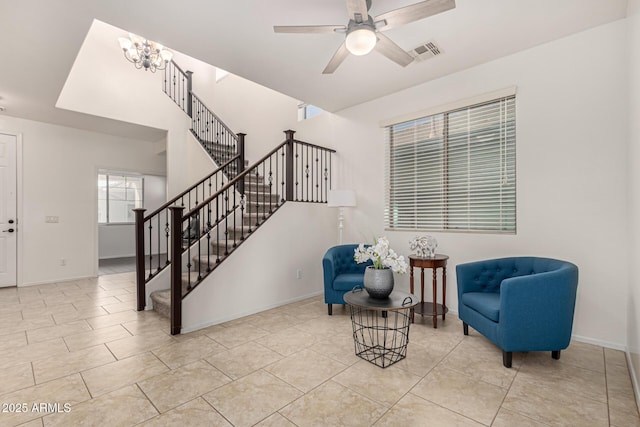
[145,53]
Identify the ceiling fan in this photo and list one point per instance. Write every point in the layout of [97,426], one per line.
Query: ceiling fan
[364,33]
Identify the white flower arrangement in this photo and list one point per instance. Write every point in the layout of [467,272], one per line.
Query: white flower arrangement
[381,255]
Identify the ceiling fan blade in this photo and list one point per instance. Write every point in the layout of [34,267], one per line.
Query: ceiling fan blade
[336,59]
[308,29]
[357,7]
[414,12]
[392,51]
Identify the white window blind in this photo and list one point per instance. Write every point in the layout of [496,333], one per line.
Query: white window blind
[454,171]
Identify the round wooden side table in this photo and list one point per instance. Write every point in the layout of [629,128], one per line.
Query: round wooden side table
[430,308]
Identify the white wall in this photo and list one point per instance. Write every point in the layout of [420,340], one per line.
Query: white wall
[118,240]
[262,273]
[633,301]
[244,106]
[59,170]
[571,167]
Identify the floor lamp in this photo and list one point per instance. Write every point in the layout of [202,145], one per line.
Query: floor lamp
[341,199]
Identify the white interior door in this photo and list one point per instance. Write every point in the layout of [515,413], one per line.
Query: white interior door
[8,204]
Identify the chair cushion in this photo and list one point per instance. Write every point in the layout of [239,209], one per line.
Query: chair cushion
[346,282]
[485,303]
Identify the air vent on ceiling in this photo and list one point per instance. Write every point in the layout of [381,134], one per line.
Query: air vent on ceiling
[426,51]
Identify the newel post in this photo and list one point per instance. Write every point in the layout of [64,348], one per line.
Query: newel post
[189,97]
[289,160]
[140,270]
[240,167]
[176,269]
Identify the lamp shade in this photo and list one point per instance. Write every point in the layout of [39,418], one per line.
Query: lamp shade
[341,198]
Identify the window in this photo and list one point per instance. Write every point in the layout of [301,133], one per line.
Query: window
[454,171]
[118,194]
[306,111]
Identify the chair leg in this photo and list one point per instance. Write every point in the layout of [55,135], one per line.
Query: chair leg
[555,354]
[465,328]
[330,309]
[507,356]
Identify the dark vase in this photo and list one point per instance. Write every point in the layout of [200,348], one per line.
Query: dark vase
[378,283]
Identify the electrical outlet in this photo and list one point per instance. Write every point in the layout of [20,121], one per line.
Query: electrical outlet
[299,273]
[63,262]
[52,219]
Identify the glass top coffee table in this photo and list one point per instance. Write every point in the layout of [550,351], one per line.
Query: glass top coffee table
[381,327]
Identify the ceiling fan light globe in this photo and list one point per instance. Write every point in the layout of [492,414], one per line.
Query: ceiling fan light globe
[361,41]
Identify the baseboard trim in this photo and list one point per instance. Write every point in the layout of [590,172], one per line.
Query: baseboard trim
[634,379]
[187,329]
[601,343]
[50,282]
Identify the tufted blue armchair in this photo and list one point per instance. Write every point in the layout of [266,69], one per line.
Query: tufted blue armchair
[341,273]
[519,303]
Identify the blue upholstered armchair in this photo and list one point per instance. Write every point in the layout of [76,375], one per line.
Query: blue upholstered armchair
[520,303]
[341,273]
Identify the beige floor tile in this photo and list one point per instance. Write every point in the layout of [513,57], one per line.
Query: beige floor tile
[420,359]
[196,413]
[287,341]
[614,357]
[126,297]
[306,369]
[99,336]
[551,407]
[332,404]
[236,335]
[457,392]
[481,364]
[27,325]
[386,385]
[33,423]
[147,321]
[112,319]
[539,371]
[71,363]
[32,352]
[583,355]
[69,390]
[129,346]
[412,410]
[10,317]
[124,407]
[506,418]
[174,388]
[14,340]
[326,326]
[184,352]
[113,376]
[120,306]
[243,360]
[8,306]
[275,420]
[32,313]
[96,302]
[252,398]
[437,340]
[15,377]
[274,322]
[340,348]
[72,316]
[47,333]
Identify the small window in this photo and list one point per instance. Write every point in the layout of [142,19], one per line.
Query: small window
[118,194]
[306,111]
[454,171]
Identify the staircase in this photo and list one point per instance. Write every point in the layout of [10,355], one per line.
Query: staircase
[201,227]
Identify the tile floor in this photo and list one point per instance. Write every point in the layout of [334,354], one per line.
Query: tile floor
[76,353]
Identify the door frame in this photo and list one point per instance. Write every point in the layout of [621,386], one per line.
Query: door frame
[19,219]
